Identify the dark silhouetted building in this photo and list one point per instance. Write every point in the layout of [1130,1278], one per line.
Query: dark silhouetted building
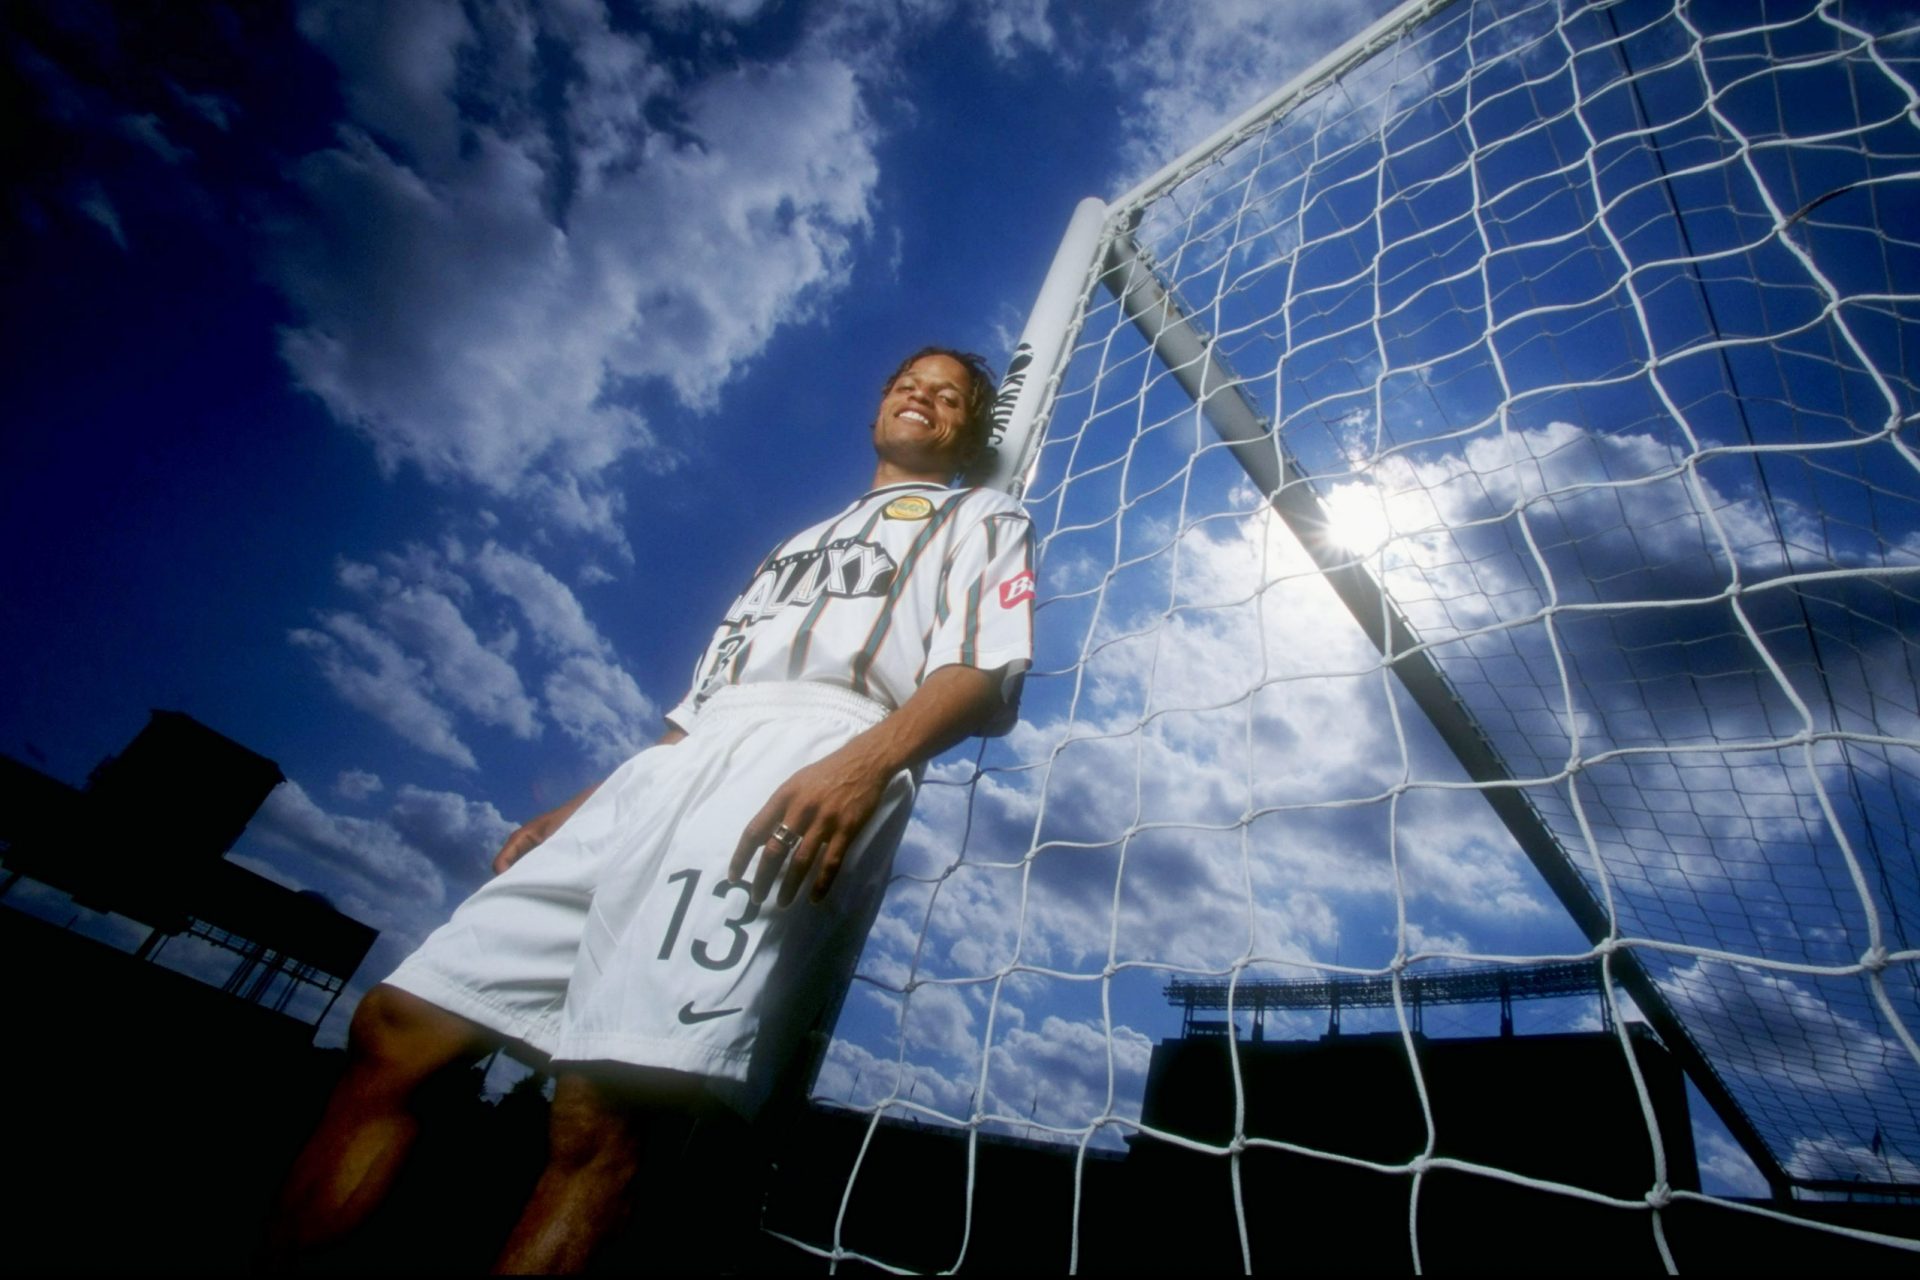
[154,1108]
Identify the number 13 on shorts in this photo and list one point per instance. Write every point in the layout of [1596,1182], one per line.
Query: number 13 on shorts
[716,962]
[734,925]
[700,932]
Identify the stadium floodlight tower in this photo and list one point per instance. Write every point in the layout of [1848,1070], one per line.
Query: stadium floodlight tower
[1575,346]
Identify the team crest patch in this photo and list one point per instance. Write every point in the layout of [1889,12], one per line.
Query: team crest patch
[911,507]
[1014,590]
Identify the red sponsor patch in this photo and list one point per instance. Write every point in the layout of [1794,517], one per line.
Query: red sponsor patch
[1014,590]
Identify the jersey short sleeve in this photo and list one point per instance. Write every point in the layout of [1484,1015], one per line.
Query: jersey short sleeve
[984,614]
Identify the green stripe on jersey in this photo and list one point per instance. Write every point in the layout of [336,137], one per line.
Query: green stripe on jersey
[971,645]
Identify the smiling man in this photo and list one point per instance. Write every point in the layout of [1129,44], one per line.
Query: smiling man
[659,954]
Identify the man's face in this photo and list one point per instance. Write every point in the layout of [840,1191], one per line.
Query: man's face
[923,416]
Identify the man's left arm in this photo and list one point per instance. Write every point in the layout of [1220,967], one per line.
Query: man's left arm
[829,801]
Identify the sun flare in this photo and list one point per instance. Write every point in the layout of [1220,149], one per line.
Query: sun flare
[1357,518]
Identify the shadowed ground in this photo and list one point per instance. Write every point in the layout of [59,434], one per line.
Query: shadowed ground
[151,1118]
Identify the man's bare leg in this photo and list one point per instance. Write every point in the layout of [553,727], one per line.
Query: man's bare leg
[606,1126]
[397,1043]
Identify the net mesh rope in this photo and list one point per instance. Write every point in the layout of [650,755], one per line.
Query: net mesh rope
[1593,329]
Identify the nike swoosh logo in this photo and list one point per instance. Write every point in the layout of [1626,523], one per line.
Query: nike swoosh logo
[689,1016]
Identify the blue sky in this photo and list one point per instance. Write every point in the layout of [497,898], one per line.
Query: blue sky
[403,391]
[400,390]
[420,344]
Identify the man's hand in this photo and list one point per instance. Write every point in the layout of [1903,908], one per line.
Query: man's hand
[824,805]
[529,835]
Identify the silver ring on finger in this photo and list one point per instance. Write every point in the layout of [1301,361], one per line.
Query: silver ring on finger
[785,837]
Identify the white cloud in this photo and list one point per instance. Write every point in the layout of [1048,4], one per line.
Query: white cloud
[1450,857]
[552,612]
[397,67]
[1055,1074]
[742,232]
[471,674]
[1194,70]
[1421,939]
[379,874]
[874,34]
[1782,1031]
[731,10]
[145,128]
[369,671]
[1726,1170]
[414,657]
[1012,26]
[413,661]
[1850,1160]
[443,337]
[357,784]
[475,292]
[1617,514]
[857,1076]
[600,706]
[94,203]
[938,1018]
[213,108]
[588,693]
[398,873]
[1058,1073]
[1789,1044]
[449,829]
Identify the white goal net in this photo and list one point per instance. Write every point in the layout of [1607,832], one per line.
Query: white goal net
[1480,520]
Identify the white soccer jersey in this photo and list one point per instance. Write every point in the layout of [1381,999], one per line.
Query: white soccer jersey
[908,579]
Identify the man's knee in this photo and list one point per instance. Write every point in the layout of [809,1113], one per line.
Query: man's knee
[398,1034]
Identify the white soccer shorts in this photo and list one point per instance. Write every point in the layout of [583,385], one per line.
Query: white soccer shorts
[620,938]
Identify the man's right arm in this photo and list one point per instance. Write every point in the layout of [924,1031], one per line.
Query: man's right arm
[530,835]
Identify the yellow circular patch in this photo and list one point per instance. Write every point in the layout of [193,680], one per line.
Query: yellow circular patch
[911,507]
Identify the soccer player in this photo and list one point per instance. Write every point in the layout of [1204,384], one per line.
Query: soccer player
[656,951]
